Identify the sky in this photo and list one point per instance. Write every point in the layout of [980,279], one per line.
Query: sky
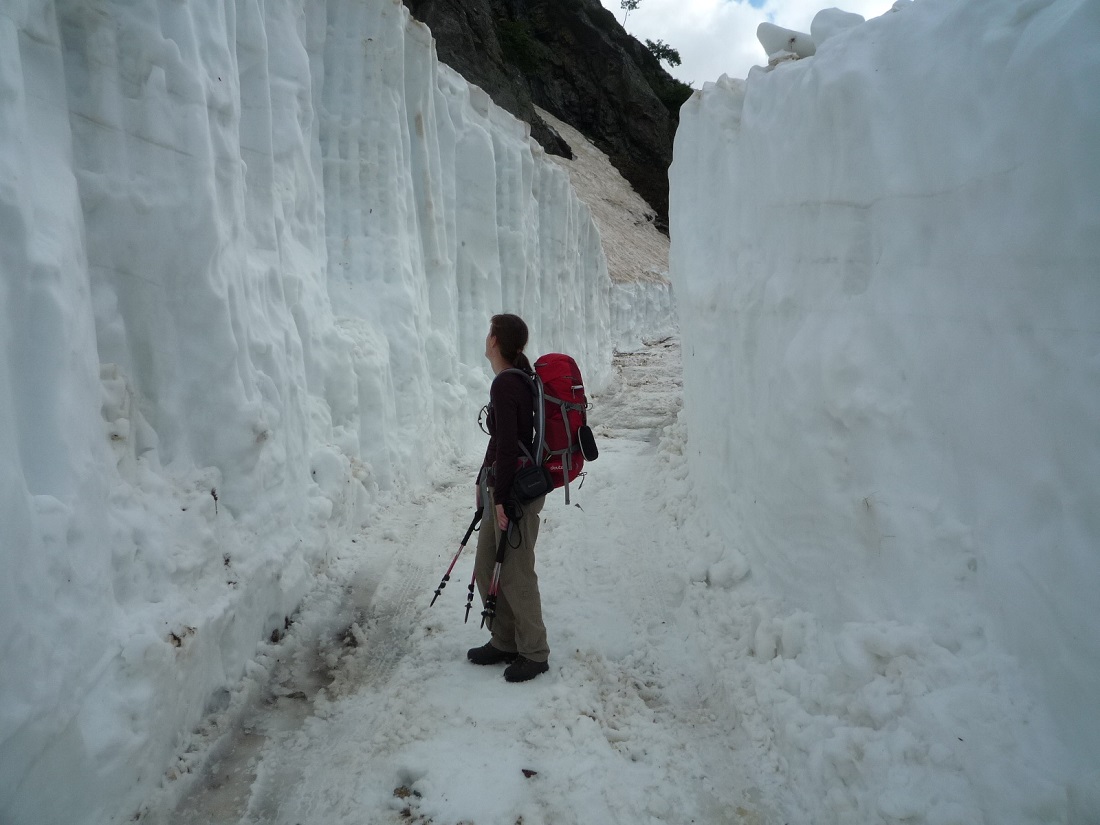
[716,37]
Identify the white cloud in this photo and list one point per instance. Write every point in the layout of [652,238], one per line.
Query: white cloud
[716,37]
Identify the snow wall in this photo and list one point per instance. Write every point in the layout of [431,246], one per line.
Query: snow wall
[248,254]
[641,311]
[887,262]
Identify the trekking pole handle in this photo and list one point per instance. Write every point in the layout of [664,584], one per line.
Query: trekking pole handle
[473,526]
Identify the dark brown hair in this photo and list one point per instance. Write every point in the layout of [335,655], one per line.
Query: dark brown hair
[511,335]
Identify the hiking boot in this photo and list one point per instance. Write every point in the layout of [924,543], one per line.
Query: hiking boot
[523,669]
[489,655]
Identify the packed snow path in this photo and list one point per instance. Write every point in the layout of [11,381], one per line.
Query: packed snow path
[388,722]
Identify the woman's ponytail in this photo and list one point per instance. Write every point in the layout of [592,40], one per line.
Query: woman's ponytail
[511,334]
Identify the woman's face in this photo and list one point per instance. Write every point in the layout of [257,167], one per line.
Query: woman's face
[490,343]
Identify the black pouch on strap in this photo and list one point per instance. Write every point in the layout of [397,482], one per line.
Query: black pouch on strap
[531,482]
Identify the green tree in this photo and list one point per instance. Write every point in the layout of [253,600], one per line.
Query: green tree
[628,6]
[519,46]
[661,50]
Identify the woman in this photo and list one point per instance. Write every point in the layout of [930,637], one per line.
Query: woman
[519,635]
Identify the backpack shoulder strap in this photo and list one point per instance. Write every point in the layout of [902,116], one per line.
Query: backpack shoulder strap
[540,413]
[515,370]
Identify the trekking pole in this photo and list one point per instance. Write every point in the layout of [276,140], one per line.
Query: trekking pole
[447,576]
[490,610]
[470,595]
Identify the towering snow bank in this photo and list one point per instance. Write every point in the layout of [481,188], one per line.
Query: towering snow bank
[248,253]
[888,278]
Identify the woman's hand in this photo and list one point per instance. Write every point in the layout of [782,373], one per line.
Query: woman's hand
[502,520]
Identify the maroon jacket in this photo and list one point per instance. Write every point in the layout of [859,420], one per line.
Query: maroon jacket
[511,419]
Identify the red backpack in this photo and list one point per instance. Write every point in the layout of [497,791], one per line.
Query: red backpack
[566,435]
[561,421]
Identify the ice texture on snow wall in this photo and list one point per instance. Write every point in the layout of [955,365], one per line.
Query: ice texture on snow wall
[248,252]
[889,256]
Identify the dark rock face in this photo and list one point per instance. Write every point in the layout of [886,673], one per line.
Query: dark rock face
[573,59]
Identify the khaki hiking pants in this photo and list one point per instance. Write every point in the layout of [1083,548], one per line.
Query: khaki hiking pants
[517,627]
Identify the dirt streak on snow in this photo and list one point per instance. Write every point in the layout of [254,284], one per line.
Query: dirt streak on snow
[370,693]
[635,249]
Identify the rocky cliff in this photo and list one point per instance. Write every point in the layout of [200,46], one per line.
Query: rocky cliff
[573,59]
